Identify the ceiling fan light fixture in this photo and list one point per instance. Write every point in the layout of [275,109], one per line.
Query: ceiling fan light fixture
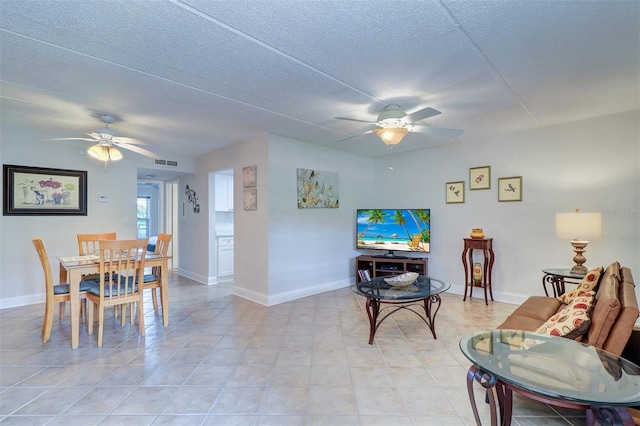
[392,135]
[104,153]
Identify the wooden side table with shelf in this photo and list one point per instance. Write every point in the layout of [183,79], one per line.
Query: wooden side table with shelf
[379,266]
[485,245]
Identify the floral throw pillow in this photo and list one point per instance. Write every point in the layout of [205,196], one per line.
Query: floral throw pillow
[573,320]
[588,283]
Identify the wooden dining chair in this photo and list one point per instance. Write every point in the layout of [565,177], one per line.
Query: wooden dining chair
[152,281]
[54,293]
[90,243]
[124,261]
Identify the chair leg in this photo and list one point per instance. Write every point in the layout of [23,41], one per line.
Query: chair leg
[132,312]
[100,324]
[90,320]
[140,317]
[154,299]
[123,313]
[61,310]
[47,323]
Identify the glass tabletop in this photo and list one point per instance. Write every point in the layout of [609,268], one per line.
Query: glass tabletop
[422,288]
[563,273]
[554,366]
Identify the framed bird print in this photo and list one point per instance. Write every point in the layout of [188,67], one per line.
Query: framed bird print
[480,177]
[510,188]
[455,192]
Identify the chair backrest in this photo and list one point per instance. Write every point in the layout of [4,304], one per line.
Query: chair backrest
[88,243]
[162,244]
[46,266]
[124,260]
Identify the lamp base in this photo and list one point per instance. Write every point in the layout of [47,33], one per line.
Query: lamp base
[579,259]
[579,270]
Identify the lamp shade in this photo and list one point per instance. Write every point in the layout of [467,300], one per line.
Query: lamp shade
[579,226]
[391,135]
[104,153]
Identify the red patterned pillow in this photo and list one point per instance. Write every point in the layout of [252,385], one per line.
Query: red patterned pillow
[573,320]
[588,283]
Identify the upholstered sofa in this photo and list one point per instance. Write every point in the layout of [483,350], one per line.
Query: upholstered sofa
[611,320]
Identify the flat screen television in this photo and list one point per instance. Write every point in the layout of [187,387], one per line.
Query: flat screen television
[404,230]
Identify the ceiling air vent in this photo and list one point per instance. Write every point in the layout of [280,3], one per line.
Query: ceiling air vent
[159,162]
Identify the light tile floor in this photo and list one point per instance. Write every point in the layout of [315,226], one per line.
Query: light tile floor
[227,361]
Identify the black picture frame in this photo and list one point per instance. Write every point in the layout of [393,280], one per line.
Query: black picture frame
[40,191]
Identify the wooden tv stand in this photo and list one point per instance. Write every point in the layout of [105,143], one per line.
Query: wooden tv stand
[379,266]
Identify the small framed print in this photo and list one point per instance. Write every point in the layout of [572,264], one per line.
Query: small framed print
[510,189]
[480,177]
[455,192]
[250,201]
[249,176]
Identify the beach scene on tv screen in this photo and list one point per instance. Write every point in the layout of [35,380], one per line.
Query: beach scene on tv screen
[392,229]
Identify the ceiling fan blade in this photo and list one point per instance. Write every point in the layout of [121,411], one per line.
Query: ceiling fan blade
[452,133]
[137,149]
[130,141]
[420,115]
[354,136]
[354,119]
[73,139]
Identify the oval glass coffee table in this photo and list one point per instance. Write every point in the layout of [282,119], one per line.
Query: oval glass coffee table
[422,295]
[550,369]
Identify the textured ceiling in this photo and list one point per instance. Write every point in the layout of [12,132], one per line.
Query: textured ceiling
[189,77]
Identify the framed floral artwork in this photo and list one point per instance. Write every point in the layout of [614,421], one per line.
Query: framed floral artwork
[317,189]
[43,191]
[480,177]
[249,176]
[510,188]
[250,198]
[455,192]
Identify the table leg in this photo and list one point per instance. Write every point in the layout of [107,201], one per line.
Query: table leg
[495,393]
[373,309]
[430,314]
[615,416]
[164,292]
[557,284]
[74,291]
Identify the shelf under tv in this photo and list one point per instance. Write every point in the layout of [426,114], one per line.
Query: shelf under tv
[384,266]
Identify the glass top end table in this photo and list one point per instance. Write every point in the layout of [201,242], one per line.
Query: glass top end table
[423,294]
[550,369]
[557,278]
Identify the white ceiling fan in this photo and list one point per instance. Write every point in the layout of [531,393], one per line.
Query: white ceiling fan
[107,141]
[393,124]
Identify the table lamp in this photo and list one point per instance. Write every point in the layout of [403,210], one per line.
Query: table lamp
[579,228]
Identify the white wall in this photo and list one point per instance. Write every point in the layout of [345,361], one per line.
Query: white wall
[250,227]
[312,250]
[593,165]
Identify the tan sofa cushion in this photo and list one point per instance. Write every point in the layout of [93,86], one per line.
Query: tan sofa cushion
[517,322]
[605,311]
[588,283]
[538,307]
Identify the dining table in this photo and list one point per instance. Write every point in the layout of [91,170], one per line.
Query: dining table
[73,268]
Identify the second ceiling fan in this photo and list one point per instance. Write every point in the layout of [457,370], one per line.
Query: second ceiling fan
[393,124]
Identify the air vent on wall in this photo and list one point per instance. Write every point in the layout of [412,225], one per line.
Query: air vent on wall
[159,162]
